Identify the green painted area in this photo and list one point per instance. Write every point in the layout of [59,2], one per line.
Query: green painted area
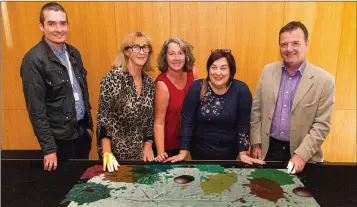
[210,168]
[160,168]
[149,179]
[123,188]
[87,193]
[275,175]
[138,172]
[203,178]
[218,183]
[167,177]
[148,174]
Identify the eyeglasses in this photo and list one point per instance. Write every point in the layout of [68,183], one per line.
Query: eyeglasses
[137,48]
[221,50]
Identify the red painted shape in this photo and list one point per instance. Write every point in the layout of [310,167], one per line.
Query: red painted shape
[92,171]
[266,189]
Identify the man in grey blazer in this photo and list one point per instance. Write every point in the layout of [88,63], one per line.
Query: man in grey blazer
[292,106]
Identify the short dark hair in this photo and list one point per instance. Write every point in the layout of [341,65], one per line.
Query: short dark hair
[217,54]
[52,6]
[293,26]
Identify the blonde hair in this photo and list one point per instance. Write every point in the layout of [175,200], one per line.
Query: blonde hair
[121,60]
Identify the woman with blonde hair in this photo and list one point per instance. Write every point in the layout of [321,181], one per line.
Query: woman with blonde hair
[176,65]
[126,105]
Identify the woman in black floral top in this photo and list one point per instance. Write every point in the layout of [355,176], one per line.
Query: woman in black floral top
[126,105]
[216,114]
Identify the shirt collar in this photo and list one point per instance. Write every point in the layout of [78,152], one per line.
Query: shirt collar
[55,51]
[300,69]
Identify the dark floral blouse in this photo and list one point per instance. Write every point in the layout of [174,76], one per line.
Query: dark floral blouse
[216,126]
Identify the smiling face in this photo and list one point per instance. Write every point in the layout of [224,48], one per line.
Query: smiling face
[293,47]
[175,57]
[219,73]
[137,58]
[55,27]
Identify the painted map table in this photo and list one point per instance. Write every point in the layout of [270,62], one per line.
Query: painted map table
[193,183]
[187,185]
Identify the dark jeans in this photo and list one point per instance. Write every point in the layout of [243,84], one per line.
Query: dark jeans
[76,148]
[278,150]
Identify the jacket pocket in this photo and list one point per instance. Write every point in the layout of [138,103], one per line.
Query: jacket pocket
[55,79]
[60,123]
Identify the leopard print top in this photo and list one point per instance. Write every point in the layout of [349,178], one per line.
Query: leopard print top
[123,116]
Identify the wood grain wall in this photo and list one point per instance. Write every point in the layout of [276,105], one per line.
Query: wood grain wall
[249,29]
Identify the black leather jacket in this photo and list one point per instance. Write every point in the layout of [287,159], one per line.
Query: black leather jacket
[49,95]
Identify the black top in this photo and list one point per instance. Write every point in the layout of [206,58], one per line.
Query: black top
[216,126]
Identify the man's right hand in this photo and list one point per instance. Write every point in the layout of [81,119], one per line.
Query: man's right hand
[50,161]
[256,151]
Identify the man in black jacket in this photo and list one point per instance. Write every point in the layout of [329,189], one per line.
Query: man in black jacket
[56,93]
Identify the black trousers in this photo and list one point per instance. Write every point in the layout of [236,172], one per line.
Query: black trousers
[278,150]
[76,148]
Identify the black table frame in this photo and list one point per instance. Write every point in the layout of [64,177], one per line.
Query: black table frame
[25,183]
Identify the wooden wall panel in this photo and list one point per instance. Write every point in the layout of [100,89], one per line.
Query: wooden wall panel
[128,18]
[211,29]
[324,23]
[23,38]
[17,130]
[346,69]
[249,29]
[252,35]
[340,145]
[184,25]
[153,18]
[93,155]
[95,37]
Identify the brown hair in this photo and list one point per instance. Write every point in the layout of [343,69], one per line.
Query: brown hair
[222,53]
[185,46]
[51,6]
[291,26]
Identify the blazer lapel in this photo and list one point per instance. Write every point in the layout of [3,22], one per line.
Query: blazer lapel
[276,80]
[305,84]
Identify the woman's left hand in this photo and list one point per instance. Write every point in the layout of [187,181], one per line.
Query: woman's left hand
[246,159]
[148,154]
